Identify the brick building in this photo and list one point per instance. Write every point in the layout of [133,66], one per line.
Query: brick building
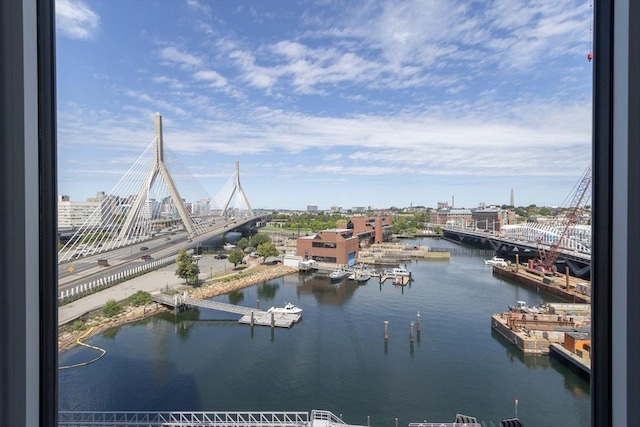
[338,245]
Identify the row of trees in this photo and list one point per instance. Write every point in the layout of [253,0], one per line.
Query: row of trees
[260,243]
[311,221]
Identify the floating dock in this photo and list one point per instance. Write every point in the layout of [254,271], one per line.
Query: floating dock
[250,316]
[274,320]
[397,280]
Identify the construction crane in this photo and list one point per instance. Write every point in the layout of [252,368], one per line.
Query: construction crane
[548,258]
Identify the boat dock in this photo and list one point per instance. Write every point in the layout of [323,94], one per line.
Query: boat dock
[570,289]
[250,316]
[396,280]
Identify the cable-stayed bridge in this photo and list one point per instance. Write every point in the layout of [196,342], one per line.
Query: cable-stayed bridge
[156,199]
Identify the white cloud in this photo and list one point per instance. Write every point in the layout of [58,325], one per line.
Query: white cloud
[76,20]
[173,83]
[216,79]
[183,59]
[199,6]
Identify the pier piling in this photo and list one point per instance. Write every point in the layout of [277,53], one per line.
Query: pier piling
[411,331]
[252,319]
[273,322]
[418,321]
[386,330]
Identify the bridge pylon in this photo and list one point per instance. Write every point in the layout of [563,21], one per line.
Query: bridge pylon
[158,169]
[237,187]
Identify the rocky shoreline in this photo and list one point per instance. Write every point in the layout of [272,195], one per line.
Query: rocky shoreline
[67,336]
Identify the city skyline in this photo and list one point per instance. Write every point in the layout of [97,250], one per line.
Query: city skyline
[349,104]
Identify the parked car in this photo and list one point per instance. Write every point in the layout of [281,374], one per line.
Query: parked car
[220,256]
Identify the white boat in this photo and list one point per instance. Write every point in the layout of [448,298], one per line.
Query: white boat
[228,246]
[287,309]
[338,274]
[500,262]
[360,276]
[399,271]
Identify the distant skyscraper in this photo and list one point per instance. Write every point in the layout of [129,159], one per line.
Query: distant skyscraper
[511,200]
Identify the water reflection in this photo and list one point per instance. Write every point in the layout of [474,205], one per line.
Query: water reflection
[326,292]
[267,291]
[236,297]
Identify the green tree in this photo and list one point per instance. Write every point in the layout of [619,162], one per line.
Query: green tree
[235,256]
[267,249]
[188,268]
[258,239]
[243,243]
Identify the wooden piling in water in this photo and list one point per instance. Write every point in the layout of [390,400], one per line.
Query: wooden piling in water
[411,331]
[418,321]
[386,330]
[273,322]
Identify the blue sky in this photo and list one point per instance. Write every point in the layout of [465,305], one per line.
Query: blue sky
[345,103]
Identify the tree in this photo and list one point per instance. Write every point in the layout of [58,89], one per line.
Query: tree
[243,243]
[258,239]
[267,249]
[236,256]
[188,268]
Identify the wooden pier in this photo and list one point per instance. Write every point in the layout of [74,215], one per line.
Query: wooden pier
[250,316]
[397,280]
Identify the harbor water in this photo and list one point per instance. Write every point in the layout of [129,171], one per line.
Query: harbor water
[336,358]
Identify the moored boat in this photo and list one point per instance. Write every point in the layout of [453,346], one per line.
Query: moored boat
[398,271]
[338,274]
[287,309]
[500,262]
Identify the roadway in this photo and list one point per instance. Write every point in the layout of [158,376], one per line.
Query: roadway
[86,268]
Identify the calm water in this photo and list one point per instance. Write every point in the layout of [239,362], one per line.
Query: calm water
[336,358]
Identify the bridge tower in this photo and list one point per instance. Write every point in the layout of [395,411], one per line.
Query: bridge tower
[237,187]
[158,169]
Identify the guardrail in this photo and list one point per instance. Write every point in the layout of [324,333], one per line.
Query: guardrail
[113,279]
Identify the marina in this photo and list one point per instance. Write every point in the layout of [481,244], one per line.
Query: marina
[204,360]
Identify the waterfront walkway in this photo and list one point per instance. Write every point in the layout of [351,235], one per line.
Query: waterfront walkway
[153,282]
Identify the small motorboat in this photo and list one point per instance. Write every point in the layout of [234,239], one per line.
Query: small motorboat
[500,262]
[287,309]
[338,274]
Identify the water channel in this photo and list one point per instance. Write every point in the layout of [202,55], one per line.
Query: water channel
[336,358]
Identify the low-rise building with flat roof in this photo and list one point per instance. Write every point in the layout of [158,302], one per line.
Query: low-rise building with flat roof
[337,245]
